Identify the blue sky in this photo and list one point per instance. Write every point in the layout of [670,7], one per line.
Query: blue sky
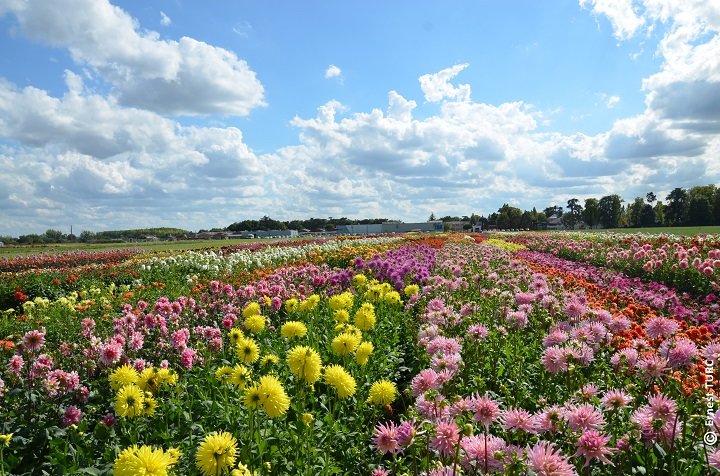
[197,114]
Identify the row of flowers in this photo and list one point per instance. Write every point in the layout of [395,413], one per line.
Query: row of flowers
[527,369]
[689,264]
[306,353]
[67,259]
[437,357]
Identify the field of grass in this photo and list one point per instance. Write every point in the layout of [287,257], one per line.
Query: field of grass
[679,230]
[26,250]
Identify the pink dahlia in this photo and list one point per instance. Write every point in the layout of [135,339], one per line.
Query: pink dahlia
[519,419]
[483,454]
[34,340]
[385,438]
[549,420]
[554,359]
[592,444]
[486,410]
[615,399]
[446,437]
[660,326]
[545,460]
[652,366]
[584,417]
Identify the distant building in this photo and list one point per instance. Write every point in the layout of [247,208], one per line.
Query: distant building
[275,233]
[455,225]
[389,227]
[212,235]
[374,229]
[555,223]
[243,235]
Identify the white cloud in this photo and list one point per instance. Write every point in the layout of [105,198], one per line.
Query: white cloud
[170,77]
[437,87]
[164,19]
[117,160]
[333,72]
[621,14]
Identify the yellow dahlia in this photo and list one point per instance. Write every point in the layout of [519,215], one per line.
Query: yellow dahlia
[359,281]
[234,335]
[216,454]
[365,317]
[310,303]
[305,363]
[166,377]
[341,301]
[145,460]
[123,375]
[273,398]
[247,350]
[345,343]
[393,298]
[129,401]
[293,330]
[291,305]
[382,392]
[224,374]
[240,376]
[340,380]
[251,399]
[251,309]
[362,354]
[255,323]
[341,315]
[411,289]
[148,381]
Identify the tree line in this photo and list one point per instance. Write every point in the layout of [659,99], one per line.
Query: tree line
[697,206]
[312,224]
[55,236]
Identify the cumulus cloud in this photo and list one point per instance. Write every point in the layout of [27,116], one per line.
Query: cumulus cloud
[332,72]
[164,19]
[120,160]
[437,87]
[186,77]
[621,14]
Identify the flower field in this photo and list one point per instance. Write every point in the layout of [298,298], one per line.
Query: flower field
[547,354]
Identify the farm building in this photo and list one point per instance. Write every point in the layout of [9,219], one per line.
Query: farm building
[275,233]
[389,227]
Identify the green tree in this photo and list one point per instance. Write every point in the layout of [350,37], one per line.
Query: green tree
[54,236]
[647,216]
[610,208]
[634,212]
[659,212]
[575,213]
[591,213]
[675,209]
[700,204]
[553,211]
[699,211]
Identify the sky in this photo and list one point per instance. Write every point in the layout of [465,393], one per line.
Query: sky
[127,114]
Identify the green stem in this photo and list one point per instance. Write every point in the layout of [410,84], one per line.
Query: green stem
[251,433]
